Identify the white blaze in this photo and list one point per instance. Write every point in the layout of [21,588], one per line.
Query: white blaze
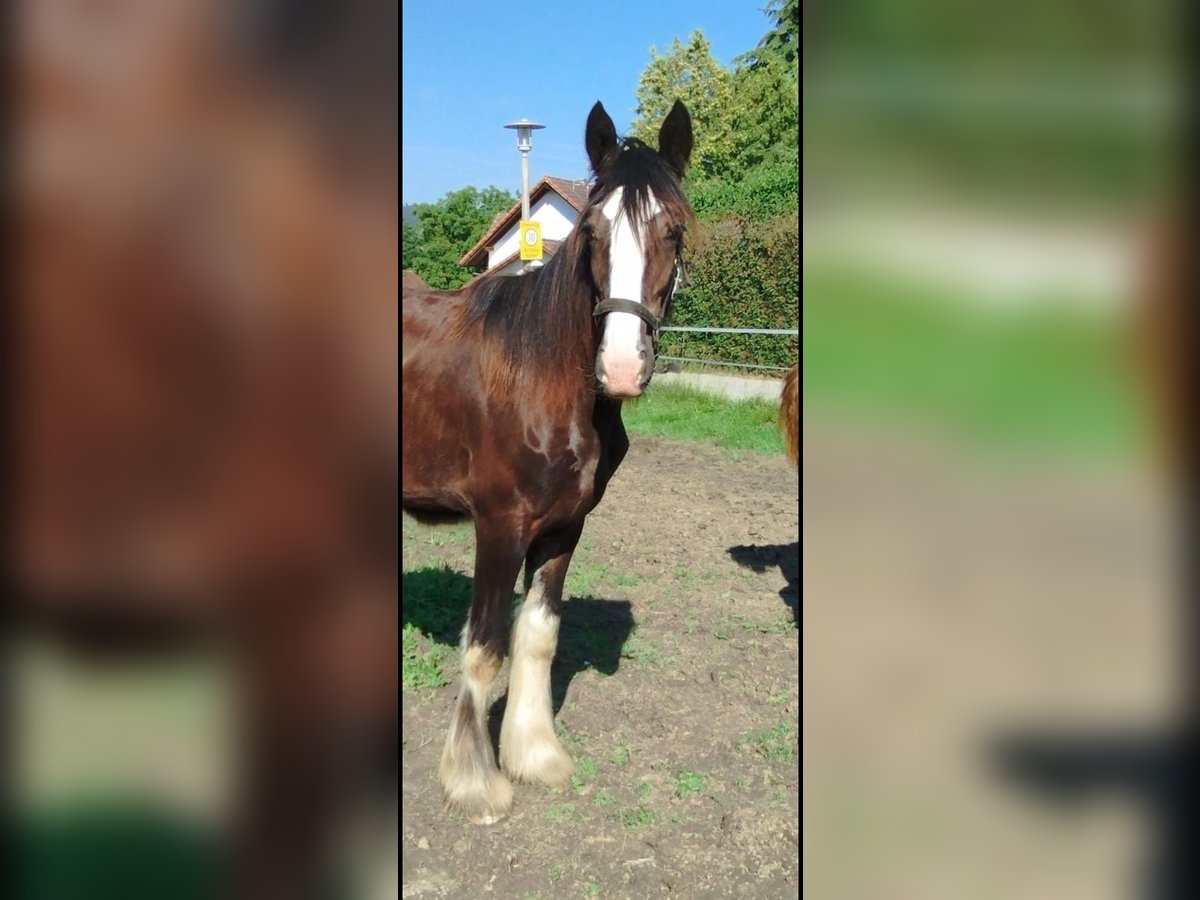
[626,270]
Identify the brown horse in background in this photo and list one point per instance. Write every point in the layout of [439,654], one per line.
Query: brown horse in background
[789,413]
[206,370]
[1163,325]
[511,401]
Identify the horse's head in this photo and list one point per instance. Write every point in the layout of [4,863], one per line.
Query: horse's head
[634,227]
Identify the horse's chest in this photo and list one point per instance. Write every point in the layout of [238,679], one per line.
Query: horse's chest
[556,467]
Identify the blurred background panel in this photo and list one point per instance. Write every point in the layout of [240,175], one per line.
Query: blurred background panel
[204,428]
[992,299]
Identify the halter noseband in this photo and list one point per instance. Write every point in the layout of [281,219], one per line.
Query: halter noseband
[619,304]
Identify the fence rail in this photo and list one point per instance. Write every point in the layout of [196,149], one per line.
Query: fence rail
[792,332]
[713,362]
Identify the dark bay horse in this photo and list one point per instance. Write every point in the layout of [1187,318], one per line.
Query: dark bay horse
[511,401]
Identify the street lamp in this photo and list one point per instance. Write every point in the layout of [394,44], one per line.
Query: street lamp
[524,129]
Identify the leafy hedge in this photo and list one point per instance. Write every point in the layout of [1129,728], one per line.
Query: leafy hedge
[769,190]
[740,274]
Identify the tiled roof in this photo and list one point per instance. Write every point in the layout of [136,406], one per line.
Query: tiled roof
[574,192]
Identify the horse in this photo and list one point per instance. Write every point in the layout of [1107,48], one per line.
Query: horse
[206,406]
[511,405]
[1160,322]
[789,413]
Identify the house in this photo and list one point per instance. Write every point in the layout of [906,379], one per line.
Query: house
[555,202]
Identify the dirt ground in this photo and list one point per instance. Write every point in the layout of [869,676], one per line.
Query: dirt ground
[676,689]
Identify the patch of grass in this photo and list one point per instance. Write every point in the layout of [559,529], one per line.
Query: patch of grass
[554,874]
[583,578]
[684,413]
[604,797]
[424,663]
[567,736]
[779,626]
[635,817]
[443,535]
[644,650]
[690,783]
[591,889]
[587,767]
[779,796]
[644,788]
[619,756]
[773,744]
[778,698]
[559,812]
[1041,377]
[626,579]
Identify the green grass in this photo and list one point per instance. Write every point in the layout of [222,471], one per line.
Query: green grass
[424,663]
[684,413]
[1045,377]
[584,577]
[620,756]
[604,797]
[644,650]
[635,817]
[567,736]
[690,783]
[559,812]
[774,744]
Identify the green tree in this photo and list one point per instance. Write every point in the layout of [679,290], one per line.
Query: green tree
[782,42]
[765,114]
[447,229]
[690,73]
[410,239]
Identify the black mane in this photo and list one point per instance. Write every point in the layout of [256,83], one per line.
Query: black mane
[544,318]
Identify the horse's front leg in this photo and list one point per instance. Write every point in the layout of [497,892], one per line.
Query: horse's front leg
[529,749]
[470,778]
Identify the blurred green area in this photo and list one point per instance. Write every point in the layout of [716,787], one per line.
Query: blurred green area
[1071,101]
[1044,377]
[114,852]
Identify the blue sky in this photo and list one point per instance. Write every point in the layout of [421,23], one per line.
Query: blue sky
[462,69]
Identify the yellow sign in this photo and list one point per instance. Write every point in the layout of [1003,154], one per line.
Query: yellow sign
[531,239]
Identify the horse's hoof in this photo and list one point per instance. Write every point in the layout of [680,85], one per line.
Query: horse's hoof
[482,801]
[542,760]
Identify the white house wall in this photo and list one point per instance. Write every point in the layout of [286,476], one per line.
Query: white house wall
[557,217]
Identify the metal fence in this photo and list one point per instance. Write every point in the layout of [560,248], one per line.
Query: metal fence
[793,332]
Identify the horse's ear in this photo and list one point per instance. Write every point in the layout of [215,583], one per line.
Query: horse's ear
[675,138]
[600,137]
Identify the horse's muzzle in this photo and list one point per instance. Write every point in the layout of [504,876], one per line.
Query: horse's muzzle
[624,376]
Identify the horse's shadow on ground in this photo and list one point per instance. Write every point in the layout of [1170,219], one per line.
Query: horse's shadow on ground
[591,635]
[1067,770]
[762,557]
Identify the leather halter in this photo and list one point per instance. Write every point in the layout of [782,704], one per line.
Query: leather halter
[619,304]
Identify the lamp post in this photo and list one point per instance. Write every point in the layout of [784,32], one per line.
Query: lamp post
[525,129]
